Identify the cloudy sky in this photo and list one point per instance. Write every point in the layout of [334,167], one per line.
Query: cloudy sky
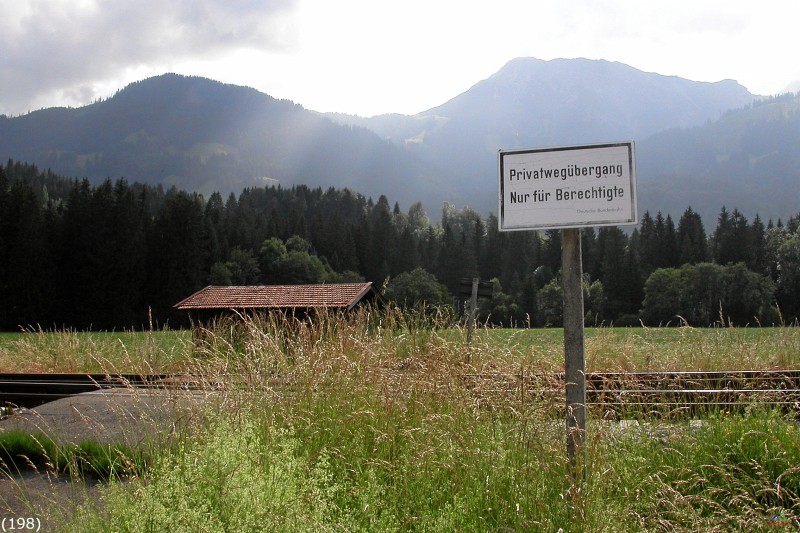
[377,56]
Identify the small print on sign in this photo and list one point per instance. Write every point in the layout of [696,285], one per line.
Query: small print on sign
[567,187]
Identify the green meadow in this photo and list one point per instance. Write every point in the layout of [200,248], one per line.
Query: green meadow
[94,352]
[374,429]
[607,349]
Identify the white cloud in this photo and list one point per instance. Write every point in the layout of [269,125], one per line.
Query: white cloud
[64,49]
[368,56]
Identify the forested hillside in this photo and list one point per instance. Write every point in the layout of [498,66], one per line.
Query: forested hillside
[106,256]
[205,136]
[749,157]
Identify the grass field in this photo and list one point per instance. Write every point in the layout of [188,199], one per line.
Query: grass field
[607,349]
[652,349]
[94,352]
[378,433]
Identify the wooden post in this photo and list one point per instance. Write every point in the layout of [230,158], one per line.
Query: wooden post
[473,305]
[574,362]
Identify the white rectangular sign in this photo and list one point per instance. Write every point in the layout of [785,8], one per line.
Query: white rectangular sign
[567,187]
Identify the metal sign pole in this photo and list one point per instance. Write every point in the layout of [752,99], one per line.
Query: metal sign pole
[574,361]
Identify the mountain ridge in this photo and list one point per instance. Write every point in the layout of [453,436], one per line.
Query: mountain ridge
[203,135]
[544,85]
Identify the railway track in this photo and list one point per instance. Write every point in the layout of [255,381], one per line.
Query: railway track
[649,392]
[696,389]
[31,390]
[660,393]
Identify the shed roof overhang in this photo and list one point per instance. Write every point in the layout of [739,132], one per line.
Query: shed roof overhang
[266,297]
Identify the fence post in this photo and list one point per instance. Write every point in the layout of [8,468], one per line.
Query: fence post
[473,305]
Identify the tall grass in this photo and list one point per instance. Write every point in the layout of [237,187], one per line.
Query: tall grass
[644,349]
[539,350]
[39,350]
[365,423]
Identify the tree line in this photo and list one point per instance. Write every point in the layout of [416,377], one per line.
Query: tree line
[120,255]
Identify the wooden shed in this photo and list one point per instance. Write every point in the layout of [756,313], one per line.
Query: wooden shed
[214,301]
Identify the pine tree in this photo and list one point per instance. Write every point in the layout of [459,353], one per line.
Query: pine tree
[383,236]
[406,254]
[24,258]
[759,243]
[615,272]
[551,250]
[5,235]
[721,238]
[732,240]
[74,251]
[692,240]
[648,244]
[127,258]
[456,259]
[177,264]
[489,260]
[668,239]
[589,251]
[215,216]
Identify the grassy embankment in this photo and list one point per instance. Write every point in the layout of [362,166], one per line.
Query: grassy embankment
[377,432]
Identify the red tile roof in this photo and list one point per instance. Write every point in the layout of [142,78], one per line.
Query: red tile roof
[328,295]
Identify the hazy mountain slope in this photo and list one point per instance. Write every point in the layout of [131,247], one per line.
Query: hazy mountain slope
[203,135]
[749,158]
[536,103]
[583,101]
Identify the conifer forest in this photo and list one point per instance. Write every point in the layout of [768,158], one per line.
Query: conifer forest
[119,255]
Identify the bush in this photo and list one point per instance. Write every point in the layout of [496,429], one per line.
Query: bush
[705,294]
[417,288]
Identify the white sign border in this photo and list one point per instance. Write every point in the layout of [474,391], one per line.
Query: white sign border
[592,223]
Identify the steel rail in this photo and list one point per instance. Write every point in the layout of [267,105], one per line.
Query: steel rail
[616,393]
[30,390]
[610,391]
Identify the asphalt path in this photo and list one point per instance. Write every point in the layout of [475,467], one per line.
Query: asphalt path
[131,417]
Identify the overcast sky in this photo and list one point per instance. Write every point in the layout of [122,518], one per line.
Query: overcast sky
[368,57]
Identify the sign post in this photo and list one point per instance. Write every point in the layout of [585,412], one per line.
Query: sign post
[568,188]
[574,358]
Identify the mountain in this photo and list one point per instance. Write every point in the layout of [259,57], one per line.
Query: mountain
[749,159]
[699,144]
[793,87]
[536,103]
[198,134]
[581,101]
